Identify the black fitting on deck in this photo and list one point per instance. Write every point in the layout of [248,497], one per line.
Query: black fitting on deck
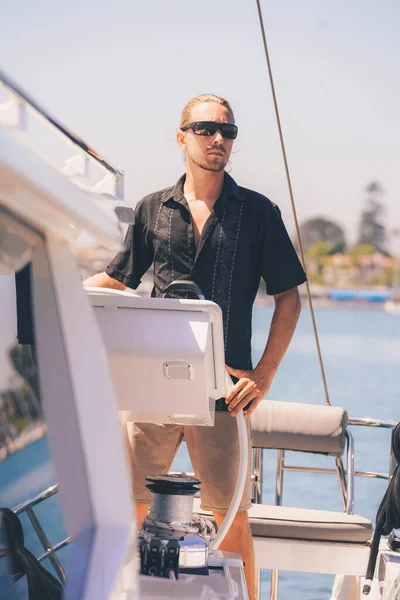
[174,485]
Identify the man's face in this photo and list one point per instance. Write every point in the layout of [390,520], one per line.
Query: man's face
[210,153]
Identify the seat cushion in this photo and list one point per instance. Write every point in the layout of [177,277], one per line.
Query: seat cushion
[302,427]
[305,524]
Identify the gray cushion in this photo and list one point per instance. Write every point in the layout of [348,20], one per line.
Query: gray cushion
[306,524]
[304,427]
[268,521]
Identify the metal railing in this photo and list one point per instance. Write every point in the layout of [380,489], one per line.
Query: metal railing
[14,112]
[345,477]
[49,549]
[367,422]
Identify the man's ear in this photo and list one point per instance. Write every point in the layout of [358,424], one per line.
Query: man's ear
[180,138]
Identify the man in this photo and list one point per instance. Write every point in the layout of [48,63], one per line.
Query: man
[223,237]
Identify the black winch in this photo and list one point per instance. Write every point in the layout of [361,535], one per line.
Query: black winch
[175,484]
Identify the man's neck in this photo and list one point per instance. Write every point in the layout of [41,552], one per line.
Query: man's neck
[203,185]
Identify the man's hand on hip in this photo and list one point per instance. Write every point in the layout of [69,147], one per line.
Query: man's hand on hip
[250,389]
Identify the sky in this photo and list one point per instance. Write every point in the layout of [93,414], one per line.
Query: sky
[119,73]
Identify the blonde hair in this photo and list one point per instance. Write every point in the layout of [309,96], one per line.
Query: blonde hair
[187,111]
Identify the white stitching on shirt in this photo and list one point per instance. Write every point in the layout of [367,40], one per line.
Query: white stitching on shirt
[169,244]
[158,216]
[188,250]
[218,251]
[231,276]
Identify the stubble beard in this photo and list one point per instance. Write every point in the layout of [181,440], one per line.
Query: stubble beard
[215,166]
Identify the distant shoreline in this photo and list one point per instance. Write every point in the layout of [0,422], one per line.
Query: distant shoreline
[30,434]
[374,298]
[322,302]
[325,304]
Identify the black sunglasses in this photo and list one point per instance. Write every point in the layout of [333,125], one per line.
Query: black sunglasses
[208,128]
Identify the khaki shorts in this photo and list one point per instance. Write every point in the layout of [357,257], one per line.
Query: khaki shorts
[213,451]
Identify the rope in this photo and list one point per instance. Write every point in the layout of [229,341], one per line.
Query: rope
[289,182]
[151,524]
[388,515]
[198,526]
[205,526]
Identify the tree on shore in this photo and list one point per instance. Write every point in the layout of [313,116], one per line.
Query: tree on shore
[372,229]
[20,404]
[319,229]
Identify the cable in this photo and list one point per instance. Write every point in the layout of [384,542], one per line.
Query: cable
[240,483]
[289,182]
[388,515]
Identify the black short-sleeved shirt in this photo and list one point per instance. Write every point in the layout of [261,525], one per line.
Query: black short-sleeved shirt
[243,240]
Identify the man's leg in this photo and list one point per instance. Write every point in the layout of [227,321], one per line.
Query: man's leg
[151,448]
[141,512]
[239,540]
[214,452]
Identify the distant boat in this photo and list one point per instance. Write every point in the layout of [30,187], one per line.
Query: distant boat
[368,295]
[393,307]
[393,304]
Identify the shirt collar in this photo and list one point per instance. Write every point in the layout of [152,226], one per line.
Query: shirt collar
[230,188]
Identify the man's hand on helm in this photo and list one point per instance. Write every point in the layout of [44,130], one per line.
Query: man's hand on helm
[248,392]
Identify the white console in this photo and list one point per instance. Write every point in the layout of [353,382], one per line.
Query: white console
[166,356]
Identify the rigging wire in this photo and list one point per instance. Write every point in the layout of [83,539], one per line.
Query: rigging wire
[289,182]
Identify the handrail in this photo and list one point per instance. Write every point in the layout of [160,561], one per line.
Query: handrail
[49,549]
[36,499]
[368,422]
[350,474]
[77,141]
[54,548]
[13,113]
[327,471]
[346,480]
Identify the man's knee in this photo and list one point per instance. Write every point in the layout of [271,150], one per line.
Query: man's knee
[241,518]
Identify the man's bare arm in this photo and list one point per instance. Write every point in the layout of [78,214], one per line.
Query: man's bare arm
[104,280]
[253,385]
[283,325]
